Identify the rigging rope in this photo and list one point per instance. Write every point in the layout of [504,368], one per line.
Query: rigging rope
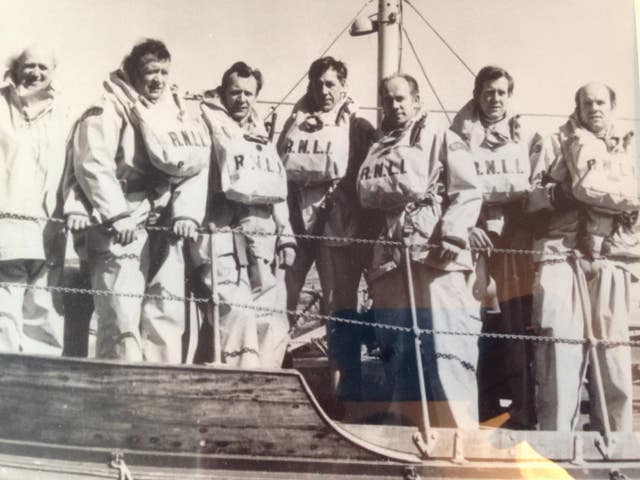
[442,39]
[424,72]
[304,75]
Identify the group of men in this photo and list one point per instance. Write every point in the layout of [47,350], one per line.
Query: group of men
[152,190]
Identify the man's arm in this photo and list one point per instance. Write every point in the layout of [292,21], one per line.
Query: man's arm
[464,200]
[95,146]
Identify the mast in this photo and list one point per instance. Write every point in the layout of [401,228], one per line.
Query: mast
[388,42]
[388,23]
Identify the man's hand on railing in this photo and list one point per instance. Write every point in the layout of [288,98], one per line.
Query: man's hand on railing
[124,230]
[186,228]
[77,221]
[449,251]
[286,256]
[478,238]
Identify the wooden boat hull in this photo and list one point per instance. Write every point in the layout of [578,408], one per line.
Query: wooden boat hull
[83,418]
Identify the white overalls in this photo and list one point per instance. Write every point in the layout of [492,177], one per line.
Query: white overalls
[31,251]
[111,162]
[403,178]
[247,189]
[593,285]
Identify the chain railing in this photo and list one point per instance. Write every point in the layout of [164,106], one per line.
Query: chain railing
[317,316]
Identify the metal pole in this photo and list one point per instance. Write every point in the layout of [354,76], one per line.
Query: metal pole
[215,309]
[388,41]
[427,438]
[583,293]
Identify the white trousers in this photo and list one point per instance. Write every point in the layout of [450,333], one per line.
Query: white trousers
[133,328]
[249,338]
[559,292]
[29,321]
[443,303]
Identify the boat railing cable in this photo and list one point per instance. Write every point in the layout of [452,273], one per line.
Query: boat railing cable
[606,343]
[442,39]
[424,72]
[556,257]
[549,256]
[322,54]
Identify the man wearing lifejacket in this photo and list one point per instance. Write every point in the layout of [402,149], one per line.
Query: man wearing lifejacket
[139,160]
[247,190]
[31,165]
[421,181]
[585,188]
[500,150]
[322,146]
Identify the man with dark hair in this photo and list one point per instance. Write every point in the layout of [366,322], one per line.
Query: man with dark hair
[501,148]
[585,188]
[491,73]
[322,146]
[31,165]
[138,160]
[247,191]
[422,184]
[241,69]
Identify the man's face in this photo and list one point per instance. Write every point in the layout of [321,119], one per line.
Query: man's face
[594,108]
[398,105]
[240,96]
[152,76]
[327,90]
[35,70]
[494,98]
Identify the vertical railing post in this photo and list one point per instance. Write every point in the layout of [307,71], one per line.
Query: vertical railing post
[426,441]
[215,308]
[583,293]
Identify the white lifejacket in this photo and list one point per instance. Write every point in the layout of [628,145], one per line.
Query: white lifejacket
[313,152]
[178,144]
[250,169]
[395,171]
[503,173]
[599,177]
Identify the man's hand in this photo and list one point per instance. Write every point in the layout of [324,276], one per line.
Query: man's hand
[124,230]
[478,238]
[186,228]
[77,221]
[286,257]
[449,251]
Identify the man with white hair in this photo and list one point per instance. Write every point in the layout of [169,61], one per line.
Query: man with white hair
[585,188]
[31,245]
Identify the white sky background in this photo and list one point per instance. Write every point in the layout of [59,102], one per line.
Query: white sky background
[550,46]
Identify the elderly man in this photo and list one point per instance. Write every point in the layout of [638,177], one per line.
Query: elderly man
[422,182]
[247,190]
[31,165]
[322,146]
[501,149]
[138,159]
[586,193]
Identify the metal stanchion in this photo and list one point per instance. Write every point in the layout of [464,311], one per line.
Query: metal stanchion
[583,293]
[425,439]
[215,308]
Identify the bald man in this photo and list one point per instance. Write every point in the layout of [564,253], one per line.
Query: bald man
[31,163]
[585,193]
